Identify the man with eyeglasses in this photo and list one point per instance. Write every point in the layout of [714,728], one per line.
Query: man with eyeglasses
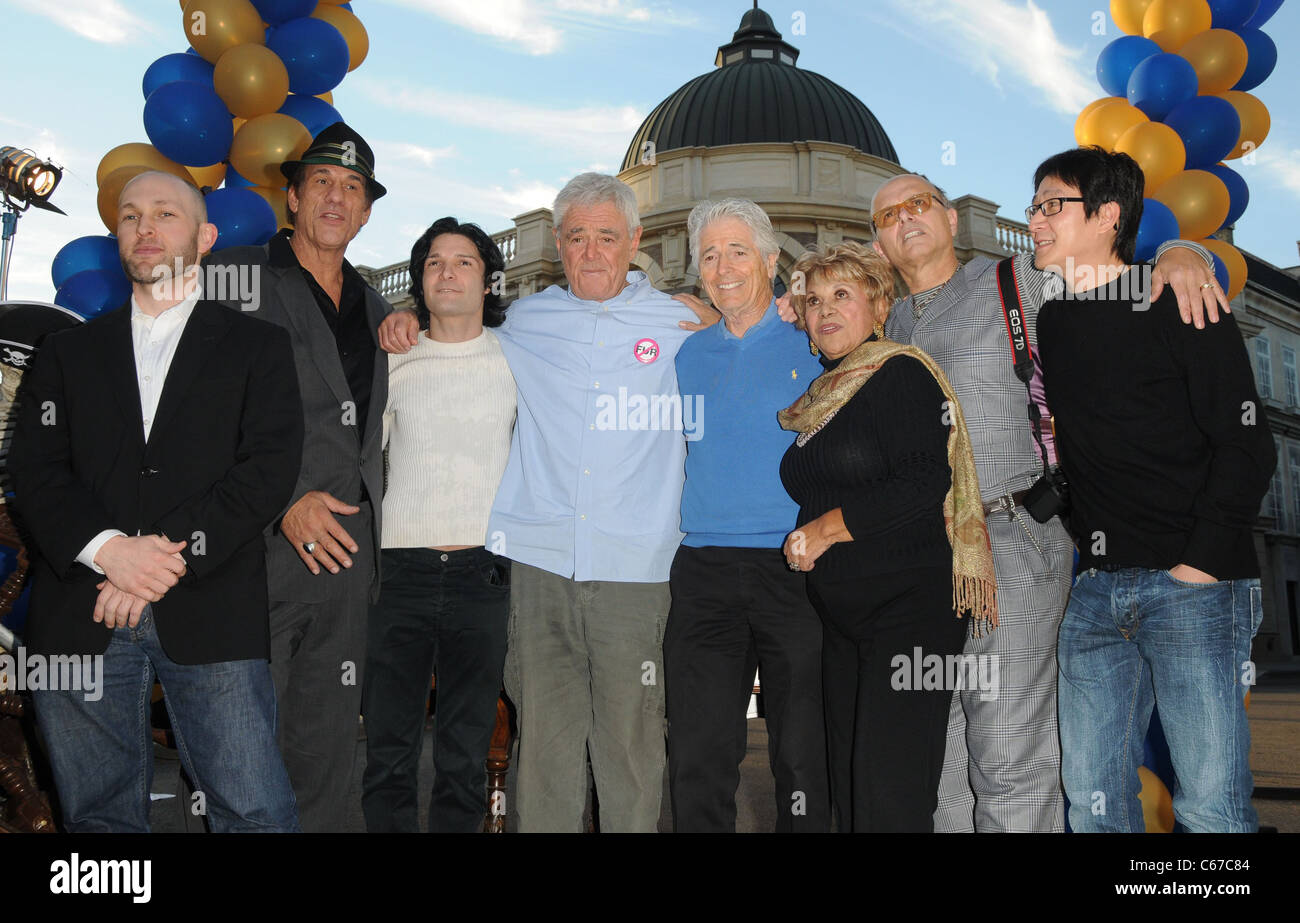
[1002,766]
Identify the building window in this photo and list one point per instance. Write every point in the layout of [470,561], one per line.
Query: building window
[1293,456]
[1264,367]
[1288,372]
[1273,503]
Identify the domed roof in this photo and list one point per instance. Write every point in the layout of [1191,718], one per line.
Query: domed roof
[756,94]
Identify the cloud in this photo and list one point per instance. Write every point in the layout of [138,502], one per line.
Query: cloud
[538,26]
[106,21]
[1282,163]
[601,132]
[405,151]
[1000,36]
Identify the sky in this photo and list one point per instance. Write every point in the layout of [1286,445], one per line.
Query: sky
[483,109]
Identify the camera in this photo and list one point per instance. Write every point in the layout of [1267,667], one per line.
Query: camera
[1050,496]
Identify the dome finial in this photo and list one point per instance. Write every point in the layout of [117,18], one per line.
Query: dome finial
[756,39]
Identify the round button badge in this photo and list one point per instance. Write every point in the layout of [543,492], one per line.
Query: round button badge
[646,351]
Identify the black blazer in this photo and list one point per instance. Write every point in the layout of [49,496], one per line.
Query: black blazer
[221,461]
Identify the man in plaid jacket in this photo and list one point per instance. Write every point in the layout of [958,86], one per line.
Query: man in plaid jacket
[1002,766]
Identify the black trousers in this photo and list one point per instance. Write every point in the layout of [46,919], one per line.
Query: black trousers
[444,613]
[735,609]
[886,744]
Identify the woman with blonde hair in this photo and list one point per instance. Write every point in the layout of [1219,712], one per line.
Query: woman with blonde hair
[891,532]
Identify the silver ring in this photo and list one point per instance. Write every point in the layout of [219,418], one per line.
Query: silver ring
[309,547]
[792,565]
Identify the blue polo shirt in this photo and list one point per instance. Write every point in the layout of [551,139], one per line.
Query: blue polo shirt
[733,495]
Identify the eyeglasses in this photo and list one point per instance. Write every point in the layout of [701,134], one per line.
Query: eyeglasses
[918,204]
[1050,207]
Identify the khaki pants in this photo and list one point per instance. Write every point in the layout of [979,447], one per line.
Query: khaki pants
[585,671]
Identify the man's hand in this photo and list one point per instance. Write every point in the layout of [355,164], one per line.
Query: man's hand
[117,608]
[399,332]
[786,310]
[311,519]
[146,566]
[1188,574]
[706,313]
[804,546]
[1199,295]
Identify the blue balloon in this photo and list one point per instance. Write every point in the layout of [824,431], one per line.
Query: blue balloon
[94,291]
[314,53]
[234,180]
[1161,82]
[191,50]
[189,123]
[1265,12]
[1158,225]
[315,114]
[98,251]
[1229,14]
[242,217]
[1220,271]
[275,12]
[172,67]
[1262,60]
[1209,126]
[1116,62]
[1238,191]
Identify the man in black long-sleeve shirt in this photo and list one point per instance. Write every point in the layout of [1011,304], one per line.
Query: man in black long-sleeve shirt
[1168,456]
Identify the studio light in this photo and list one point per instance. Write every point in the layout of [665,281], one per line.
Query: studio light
[25,180]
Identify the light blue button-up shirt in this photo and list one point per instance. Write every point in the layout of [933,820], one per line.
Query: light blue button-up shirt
[593,486]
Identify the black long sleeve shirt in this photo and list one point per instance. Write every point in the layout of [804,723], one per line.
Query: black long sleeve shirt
[1160,432]
[883,460]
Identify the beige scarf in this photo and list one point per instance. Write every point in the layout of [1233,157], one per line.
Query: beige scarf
[974,583]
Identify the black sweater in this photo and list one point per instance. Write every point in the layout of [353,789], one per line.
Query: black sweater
[1160,431]
[883,460]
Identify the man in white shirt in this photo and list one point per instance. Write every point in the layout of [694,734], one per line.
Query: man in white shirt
[153,445]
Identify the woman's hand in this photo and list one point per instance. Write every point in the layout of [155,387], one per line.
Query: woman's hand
[804,546]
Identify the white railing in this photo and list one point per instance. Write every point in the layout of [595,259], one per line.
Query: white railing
[1013,236]
[507,241]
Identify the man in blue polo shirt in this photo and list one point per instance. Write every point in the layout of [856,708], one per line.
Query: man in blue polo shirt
[735,604]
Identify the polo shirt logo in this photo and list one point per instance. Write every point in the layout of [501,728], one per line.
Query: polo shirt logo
[646,351]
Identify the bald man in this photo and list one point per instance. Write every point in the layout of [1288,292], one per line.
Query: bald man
[153,445]
[1002,767]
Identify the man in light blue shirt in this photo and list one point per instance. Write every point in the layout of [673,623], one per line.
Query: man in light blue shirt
[588,509]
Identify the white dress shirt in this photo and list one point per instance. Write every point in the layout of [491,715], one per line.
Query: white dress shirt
[154,340]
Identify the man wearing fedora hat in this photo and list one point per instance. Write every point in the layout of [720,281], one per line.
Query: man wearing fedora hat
[322,570]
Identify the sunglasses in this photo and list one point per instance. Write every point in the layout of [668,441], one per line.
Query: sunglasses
[918,204]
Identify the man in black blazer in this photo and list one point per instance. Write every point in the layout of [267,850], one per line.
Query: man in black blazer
[322,564]
[153,446]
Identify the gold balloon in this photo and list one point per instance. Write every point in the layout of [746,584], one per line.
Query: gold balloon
[235,124]
[1107,123]
[264,143]
[1157,149]
[1199,200]
[1219,58]
[353,32]
[276,198]
[213,27]
[251,80]
[1087,111]
[1255,122]
[328,96]
[1246,704]
[1171,23]
[1236,265]
[1157,806]
[137,153]
[1128,14]
[210,177]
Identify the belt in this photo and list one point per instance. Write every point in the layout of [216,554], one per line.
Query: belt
[1006,503]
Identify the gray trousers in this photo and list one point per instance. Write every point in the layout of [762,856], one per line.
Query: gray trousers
[1002,763]
[318,652]
[585,672]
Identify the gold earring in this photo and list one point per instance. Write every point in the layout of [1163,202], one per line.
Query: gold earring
[812,348]
[880,331]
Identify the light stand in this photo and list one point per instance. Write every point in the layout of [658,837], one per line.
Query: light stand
[25,181]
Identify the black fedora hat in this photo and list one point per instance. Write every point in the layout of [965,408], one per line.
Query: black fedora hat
[339,146]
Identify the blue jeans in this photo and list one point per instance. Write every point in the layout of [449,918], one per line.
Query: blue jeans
[1136,638]
[223,718]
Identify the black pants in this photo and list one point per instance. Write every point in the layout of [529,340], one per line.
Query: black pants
[734,609]
[444,613]
[886,743]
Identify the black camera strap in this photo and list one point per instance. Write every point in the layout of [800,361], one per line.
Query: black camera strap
[1022,355]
